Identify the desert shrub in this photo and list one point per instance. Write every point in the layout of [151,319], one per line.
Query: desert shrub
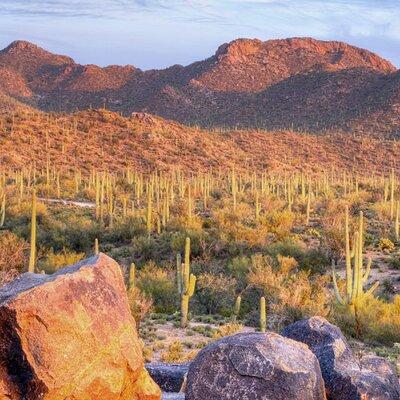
[279,223]
[176,242]
[333,226]
[54,261]
[68,229]
[215,293]
[227,330]
[175,353]
[288,247]
[377,320]
[394,262]
[291,293]
[6,276]
[144,248]
[315,233]
[382,210]
[125,230]
[391,353]
[238,227]
[140,305]
[314,260]
[12,252]
[386,245]
[239,267]
[158,284]
[20,213]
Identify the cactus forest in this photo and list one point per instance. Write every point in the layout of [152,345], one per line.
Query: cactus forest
[208,254]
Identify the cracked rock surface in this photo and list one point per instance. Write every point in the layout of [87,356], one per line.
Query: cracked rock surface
[346,377]
[71,335]
[255,366]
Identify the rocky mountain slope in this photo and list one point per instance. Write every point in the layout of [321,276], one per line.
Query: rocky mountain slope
[300,83]
[101,139]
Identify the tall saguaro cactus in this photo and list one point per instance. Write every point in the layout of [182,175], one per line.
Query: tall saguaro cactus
[149,211]
[236,310]
[32,255]
[308,207]
[356,275]
[3,211]
[263,315]
[187,285]
[132,277]
[96,246]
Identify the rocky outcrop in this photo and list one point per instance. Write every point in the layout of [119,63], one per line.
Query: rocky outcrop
[346,377]
[255,366]
[70,335]
[169,377]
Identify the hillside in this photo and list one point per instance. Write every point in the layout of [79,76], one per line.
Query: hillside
[103,139]
[300,83]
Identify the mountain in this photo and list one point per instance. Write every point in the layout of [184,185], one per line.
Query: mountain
[300,84]
[101,139]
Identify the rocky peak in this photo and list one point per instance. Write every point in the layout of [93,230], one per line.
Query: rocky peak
[21,45]
[21,49]
[238,50]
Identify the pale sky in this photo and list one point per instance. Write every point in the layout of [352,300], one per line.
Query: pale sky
[159,33]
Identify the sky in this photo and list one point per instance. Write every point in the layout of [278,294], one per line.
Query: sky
[159,33]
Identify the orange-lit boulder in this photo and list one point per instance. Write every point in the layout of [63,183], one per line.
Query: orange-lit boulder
[70,335]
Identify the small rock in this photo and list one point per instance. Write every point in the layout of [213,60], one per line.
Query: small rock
[346,378]
[173,396]
[255,366]
[169,377]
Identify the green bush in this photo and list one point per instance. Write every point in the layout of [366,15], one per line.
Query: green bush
[54,261]
[158,284]
[377,320]
[215,294]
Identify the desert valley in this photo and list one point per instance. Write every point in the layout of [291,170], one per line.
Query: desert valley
[224,230]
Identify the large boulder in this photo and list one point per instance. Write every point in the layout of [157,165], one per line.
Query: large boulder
[346,377]
[255,366]
[70,335]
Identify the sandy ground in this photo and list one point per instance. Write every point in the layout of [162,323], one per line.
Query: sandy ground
[193,338]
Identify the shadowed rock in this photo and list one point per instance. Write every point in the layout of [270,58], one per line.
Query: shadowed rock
[173,396]
[169,377]
[346,378]
[255,366]
[70,335]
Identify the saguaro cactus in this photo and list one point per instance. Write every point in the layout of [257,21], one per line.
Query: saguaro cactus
[257,207]
[179,272]
[32,255]
[308,207]
[263,315]
[132,277]
[96,246]
[396,221]
[356,275]
[236,310]
[3,211]
[187,286]
[149,212]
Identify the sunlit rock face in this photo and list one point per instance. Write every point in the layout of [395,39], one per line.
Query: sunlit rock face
[70,335]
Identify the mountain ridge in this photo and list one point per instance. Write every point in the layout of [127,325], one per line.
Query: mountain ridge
[297,83]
